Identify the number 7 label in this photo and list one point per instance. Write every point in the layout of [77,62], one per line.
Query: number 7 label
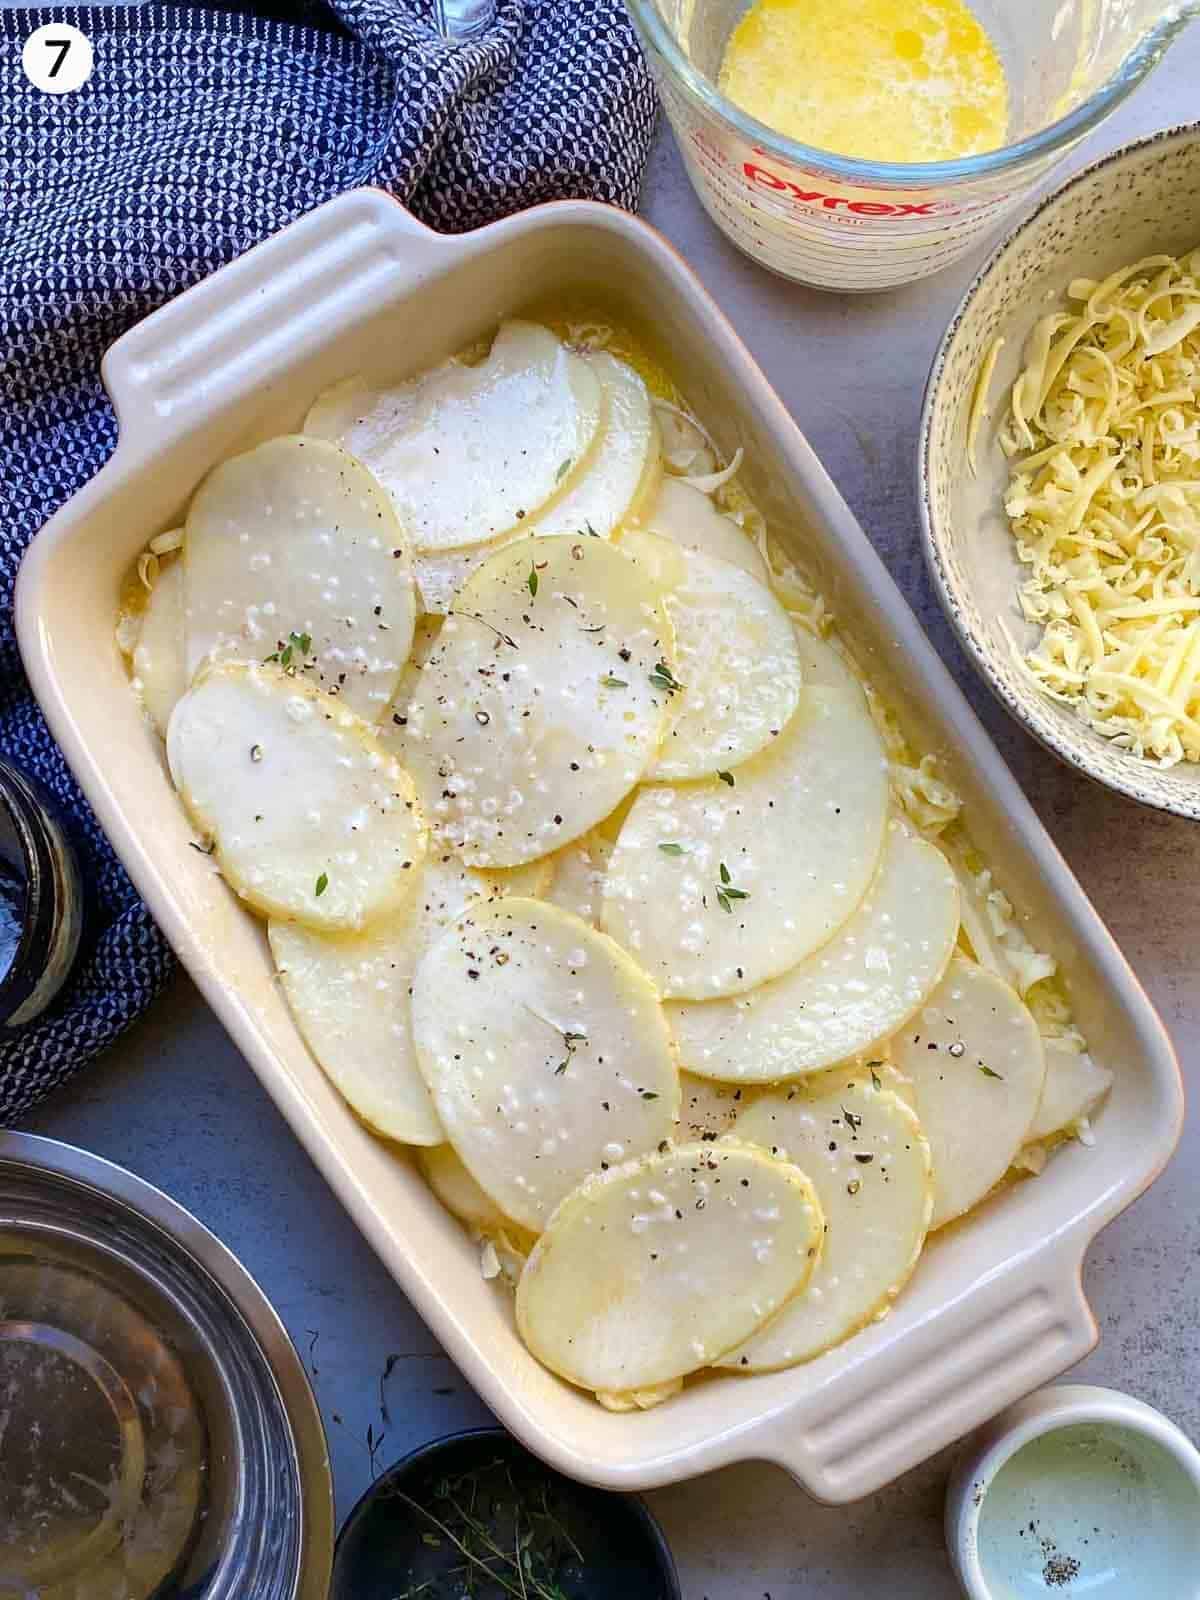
[57,58]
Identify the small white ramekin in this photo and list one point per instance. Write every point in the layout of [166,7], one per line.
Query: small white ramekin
[1117,1517]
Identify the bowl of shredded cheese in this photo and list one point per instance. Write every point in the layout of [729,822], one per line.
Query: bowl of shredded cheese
[1060,471]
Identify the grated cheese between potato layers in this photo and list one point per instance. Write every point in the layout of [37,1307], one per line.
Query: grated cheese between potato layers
[1103,430]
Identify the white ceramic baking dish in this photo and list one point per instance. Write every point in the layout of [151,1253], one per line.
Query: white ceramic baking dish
[996,1307]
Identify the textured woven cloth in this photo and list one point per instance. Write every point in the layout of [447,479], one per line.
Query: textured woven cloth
[199,133]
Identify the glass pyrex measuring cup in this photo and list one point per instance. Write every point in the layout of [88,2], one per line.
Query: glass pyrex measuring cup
[844,223]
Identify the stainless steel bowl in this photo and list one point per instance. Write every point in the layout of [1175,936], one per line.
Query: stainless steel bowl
[158,1435]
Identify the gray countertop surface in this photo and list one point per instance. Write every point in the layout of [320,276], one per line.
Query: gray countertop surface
[177,1104]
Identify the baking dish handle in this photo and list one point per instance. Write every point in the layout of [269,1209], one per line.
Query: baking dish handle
[984,1352]
[239,329]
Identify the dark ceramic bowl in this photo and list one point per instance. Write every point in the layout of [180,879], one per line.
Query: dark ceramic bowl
[405,1536]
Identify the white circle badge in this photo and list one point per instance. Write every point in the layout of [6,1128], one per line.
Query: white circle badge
[57,58]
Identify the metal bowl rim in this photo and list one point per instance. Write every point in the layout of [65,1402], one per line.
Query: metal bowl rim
[37,1154]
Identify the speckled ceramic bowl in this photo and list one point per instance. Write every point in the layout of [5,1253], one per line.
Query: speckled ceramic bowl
[1141,200]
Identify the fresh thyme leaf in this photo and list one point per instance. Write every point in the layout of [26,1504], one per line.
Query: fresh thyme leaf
[648,1094]
[726,777]
[663,678]
[670,848]
[322,884]
[727,892]
[531,582]
[610,682]
[875,1080]
[564,467]
[988,1073]
[302,642]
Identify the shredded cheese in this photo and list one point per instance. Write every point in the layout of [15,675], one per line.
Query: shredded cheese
[1103,433]
[980,410]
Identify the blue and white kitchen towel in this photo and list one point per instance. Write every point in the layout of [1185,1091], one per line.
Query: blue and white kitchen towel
[199,132]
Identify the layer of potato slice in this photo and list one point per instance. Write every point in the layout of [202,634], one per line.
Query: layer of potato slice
[656,1269]
[159,660]
[1075,1085]
[976,1060]
[707,1109]
[577,880]
[721,885]
[351,997]
[293,548]
[736,659]
[616,478]
[691,519]
[542,702]
[545,1049]
[311,818]
[458,1191]
[468,452]
[622,472]
[822,665]
[870,1165]
[853,992]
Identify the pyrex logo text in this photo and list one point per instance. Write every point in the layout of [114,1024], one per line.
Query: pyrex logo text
[860,208]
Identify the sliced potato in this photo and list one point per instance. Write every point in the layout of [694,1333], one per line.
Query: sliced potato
[708,1110]
[616,478]
[531,880]
[736,656]
[691,519]
[718,886]
[623,470]
[872,1072]
[657,1268]
[312,820]
[468,452]
[458,1191]
[822,665]
[293,548]
[349,996]
[577,883]
[848,996]
[440,574]
[1075,1085]
[870,1165]
[159,659]
[541,704]
[976,1059]
[639,1399]
[545,1049]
